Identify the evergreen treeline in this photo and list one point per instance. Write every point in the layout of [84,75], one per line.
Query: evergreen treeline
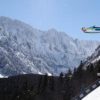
[44,87]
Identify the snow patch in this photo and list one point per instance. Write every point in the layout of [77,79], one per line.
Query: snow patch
[2,76]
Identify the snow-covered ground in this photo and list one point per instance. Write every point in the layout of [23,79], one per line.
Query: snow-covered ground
[95,95]
[2,76]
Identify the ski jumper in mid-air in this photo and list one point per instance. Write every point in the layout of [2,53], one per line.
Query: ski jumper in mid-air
[92,29]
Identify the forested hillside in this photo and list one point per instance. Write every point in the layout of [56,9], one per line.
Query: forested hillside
[43,87]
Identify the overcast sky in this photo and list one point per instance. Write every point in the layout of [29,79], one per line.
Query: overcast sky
[63,15]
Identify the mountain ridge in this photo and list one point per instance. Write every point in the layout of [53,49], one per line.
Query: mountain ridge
[24,49]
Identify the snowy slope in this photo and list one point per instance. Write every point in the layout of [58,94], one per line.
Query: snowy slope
[95,57]
[95,95]
[24,49]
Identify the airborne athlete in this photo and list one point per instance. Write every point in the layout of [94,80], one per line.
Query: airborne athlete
[92,29]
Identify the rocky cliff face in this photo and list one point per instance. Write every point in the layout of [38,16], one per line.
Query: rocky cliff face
[24,49]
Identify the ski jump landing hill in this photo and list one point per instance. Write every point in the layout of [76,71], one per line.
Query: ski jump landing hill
[90,93]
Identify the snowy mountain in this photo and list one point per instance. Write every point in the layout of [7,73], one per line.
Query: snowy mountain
[24,49]
[95,57]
